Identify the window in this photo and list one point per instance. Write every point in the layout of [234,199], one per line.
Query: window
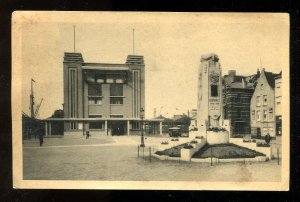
[253,114]
[96,125]
[257,116]
[214,91]
[278,104]
[95,94]
[116,100]
[270,113]
[116,116]
[95,100]
[116,90]
[265,100]
[116,94]
[257,100]
[265,115]
[135,126]
[95,116]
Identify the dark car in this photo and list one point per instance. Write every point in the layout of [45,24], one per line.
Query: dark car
[174,132]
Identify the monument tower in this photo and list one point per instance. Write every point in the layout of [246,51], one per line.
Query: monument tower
[209,93]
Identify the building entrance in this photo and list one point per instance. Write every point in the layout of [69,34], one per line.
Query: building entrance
[117,127]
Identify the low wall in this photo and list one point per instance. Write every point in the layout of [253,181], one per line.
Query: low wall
[252,145]
[216,160]
[221,137]
[162,147]
[186,154]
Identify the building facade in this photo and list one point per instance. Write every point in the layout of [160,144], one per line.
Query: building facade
[263,105]
[278,113]
[104,98]
[209,93]
[237,93]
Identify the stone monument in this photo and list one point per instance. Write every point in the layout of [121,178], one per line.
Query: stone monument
[210,118]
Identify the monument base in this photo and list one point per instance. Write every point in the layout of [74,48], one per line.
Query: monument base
[220,137]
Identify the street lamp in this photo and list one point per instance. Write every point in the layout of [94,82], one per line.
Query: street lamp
[142,136]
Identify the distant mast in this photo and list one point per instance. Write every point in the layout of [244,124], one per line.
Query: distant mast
[32,100]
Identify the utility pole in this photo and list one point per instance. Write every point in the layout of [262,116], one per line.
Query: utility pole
[32,100]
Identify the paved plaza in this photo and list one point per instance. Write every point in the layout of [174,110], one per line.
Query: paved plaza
[115,158]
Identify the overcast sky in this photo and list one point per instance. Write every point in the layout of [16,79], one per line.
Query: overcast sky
[171,44]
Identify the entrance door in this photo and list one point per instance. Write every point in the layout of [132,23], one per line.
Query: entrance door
[117,127]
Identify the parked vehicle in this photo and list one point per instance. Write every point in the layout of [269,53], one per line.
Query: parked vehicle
[174,132]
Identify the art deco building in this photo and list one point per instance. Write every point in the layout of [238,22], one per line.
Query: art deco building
[104,98]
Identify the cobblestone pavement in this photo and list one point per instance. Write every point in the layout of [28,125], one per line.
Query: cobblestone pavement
[112,159]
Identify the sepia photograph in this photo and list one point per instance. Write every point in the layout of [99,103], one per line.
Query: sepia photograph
[150,100]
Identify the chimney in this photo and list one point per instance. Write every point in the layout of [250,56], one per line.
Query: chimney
[243,83]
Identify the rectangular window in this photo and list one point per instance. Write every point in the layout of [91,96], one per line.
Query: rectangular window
[95,116]
[238,98]
[253,114]
[94,94]
[96,125]
[214,91]
[257,116]
[116,116]
[265,100]
[135,126]
[94,90]
[257,100]
[265,115]
[270,113]
[116,93]
[116,90]
[116,100]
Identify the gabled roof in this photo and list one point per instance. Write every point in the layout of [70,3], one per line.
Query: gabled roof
[271,78]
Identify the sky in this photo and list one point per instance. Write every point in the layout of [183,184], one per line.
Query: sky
[171,43]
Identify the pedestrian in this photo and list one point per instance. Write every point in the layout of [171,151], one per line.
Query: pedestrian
[268,138]
[87,134]
[41,138]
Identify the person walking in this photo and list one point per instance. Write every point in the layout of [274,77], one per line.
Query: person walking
[41,138]
[87,134]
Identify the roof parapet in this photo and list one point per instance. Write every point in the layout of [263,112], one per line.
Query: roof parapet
[73,57]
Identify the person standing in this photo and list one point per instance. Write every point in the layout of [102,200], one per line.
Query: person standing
[41,138]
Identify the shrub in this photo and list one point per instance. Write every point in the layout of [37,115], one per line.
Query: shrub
[188,146]
[199,137]
[262,144]
[164,142]
[216,129]
[194,142]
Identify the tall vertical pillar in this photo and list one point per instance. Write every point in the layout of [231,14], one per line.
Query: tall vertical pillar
[160,127]
[46,128]
[105,127]
[128,127]
[49,128]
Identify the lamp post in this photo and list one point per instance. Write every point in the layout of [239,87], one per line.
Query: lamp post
[142,135]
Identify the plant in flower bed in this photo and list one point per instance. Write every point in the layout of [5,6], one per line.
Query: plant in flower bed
[174,139]
[216,129]
[172,152]
[164,142]
[199,137]
[226,151]
[262,144]
[194,142]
